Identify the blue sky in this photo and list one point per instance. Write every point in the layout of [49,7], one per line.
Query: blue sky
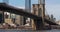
[52,6]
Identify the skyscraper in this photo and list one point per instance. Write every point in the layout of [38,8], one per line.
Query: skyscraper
[41,1]
[28,5]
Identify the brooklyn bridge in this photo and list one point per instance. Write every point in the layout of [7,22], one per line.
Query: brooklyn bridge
[37,17]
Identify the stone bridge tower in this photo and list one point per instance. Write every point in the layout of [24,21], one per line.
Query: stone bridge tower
[39,10]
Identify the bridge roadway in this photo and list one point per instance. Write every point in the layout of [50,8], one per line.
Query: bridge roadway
[7,8]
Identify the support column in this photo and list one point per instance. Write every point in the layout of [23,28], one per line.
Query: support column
[39,24]
[33,25]
[3,17]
